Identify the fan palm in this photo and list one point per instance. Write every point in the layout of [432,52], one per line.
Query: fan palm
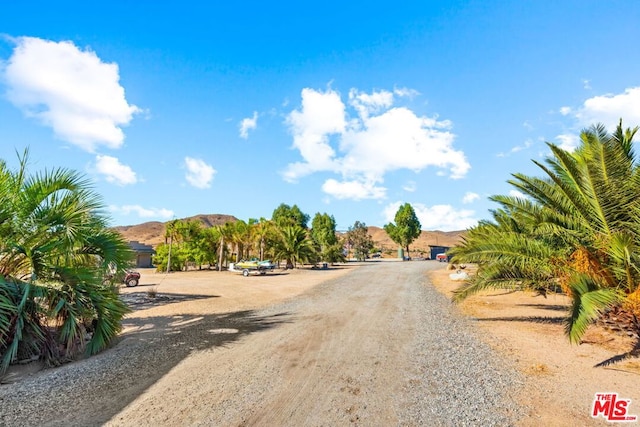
[55,248]
[579,229]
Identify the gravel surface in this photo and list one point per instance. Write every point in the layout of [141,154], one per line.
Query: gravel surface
[378,346]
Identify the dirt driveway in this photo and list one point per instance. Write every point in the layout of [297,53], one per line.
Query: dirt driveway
[369,346]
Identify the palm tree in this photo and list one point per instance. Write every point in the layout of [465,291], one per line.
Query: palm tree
[55,248]
[226,234]
[260,232]
[578,229]
[293,246]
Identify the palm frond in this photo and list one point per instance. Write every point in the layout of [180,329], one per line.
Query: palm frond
[589,301]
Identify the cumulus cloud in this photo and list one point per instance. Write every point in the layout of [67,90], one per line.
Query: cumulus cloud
[437,217]
[142,212]
[470,197]
[247,124]
[199,174]
[114,171]
[366,104]
[609,109]
[354,190]
[69,89]
[568,142]
[364,146]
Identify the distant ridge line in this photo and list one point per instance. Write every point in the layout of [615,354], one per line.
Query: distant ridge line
[152,233]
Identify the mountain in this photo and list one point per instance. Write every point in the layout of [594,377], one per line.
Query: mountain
[152,233]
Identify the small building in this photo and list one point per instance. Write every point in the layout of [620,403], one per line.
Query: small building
[143,252]
[435,250]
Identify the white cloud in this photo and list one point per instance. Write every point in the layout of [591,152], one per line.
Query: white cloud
[524,146]
[565,110]
[437,217]
[70,90]
[470,197]
[249,123]
[321,115]
[405,92]
[199,174]
[518,194]
[354,190]
[114,171]
[527,144]
[142,212]
[568,142]
[366,104]
[609,109]
[410,186]
[586,83]
[380,139]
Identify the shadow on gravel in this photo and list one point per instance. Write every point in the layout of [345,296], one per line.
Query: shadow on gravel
[142,300]
[113,379]
[530,319]
[546,307]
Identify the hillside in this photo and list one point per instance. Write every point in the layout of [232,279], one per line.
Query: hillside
[433,238]
[152,233]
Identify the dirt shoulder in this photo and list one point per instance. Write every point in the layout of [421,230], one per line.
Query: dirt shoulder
[560,379]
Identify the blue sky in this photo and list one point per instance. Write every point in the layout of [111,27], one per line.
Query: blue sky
[350,108]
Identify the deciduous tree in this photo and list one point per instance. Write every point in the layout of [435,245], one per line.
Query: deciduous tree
[359,240]
[407,227]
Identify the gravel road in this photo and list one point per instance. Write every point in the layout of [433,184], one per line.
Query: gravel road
[376,347]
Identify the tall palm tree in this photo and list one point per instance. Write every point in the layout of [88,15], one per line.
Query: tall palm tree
[578,229]
[226,233]
[260,232]
[55,248]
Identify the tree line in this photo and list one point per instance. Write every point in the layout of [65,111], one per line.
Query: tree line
[287,237]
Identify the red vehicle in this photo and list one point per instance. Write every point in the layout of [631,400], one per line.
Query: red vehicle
[442,258]
[129,278]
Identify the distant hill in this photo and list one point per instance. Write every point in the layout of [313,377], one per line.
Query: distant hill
[152,233]
[421,244]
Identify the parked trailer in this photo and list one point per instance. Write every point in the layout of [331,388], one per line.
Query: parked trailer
[253,266]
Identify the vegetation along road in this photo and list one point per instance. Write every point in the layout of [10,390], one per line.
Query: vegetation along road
[376,347]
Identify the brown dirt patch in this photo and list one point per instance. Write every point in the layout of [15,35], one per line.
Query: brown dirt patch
[561,379]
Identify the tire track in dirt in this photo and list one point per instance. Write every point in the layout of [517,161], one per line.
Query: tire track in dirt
[345,361]
[356,350]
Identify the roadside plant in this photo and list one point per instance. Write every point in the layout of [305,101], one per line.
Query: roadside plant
[55,250]
[576,230]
